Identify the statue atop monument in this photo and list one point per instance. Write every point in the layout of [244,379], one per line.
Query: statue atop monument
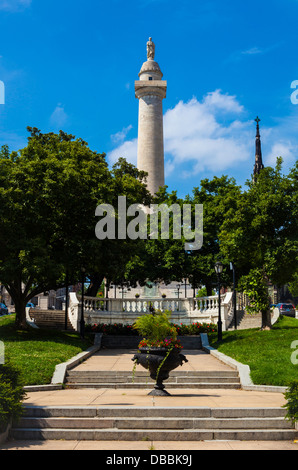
[150,49]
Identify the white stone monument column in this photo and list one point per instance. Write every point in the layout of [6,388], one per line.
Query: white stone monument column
[150,90]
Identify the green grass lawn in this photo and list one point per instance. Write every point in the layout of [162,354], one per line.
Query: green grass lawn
[268,353]
[37,352]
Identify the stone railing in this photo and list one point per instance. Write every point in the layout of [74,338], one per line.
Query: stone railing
[126,310]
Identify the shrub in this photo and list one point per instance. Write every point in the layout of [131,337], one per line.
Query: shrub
[128,330]
[11,395]
[157,330]
[111,329]
[292,405]
[195,328]
[155,327]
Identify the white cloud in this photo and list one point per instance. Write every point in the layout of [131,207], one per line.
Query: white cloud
[14,5]
[58,117]
[217,101]
[253,51]
[121,135]
[286,150]
[212,135]
[195,136]
[128,150]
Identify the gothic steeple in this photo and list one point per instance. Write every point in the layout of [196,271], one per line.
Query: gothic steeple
[258,161]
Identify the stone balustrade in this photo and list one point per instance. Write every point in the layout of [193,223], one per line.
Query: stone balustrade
[126,310]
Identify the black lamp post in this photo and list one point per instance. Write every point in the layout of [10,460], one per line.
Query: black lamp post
[66,300]
[178,289]
[232,267]
[218,269]
[82,321]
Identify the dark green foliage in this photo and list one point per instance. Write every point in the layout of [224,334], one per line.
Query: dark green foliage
[128,330]
[11,394]
[292,405]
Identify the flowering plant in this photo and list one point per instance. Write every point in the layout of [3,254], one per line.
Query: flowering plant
[157,330]
[166,343]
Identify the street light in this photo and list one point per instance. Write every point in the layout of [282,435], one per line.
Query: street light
[66,300]
[232,267]
[218,269]
[178,289]
[82,321]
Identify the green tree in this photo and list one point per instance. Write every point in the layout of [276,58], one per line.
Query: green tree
[121,262]
[219,199]
[260,236]
[48,195]
[293,285]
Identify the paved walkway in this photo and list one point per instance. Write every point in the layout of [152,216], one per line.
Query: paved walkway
[121,360]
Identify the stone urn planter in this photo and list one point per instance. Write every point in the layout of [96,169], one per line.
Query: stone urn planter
[160,362]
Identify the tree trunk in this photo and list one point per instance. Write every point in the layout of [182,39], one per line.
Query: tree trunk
[20,306]
[20,301]
[266,320]
[209,289]
[95,284]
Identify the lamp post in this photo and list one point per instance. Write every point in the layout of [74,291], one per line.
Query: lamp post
[82,321]
[218,269]
[232,267]
[178,289]
[66,300]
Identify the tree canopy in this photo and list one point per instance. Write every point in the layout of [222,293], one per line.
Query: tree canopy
[49,192]
[260,235]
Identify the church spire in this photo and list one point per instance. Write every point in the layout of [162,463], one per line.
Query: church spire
[258,161]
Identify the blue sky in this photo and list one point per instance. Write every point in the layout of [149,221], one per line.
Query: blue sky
[71,65]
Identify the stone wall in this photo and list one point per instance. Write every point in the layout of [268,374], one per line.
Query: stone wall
[131,342]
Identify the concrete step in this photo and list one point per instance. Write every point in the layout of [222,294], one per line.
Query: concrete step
[144,373]
[148,385]
[50,319]
[154,435]
[246,321]
[141,379]
[153,423]
[132,380]
[150,411]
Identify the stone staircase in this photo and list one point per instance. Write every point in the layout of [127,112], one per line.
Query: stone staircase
[153,423]
[141,379]
[246,321]
[52,319]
